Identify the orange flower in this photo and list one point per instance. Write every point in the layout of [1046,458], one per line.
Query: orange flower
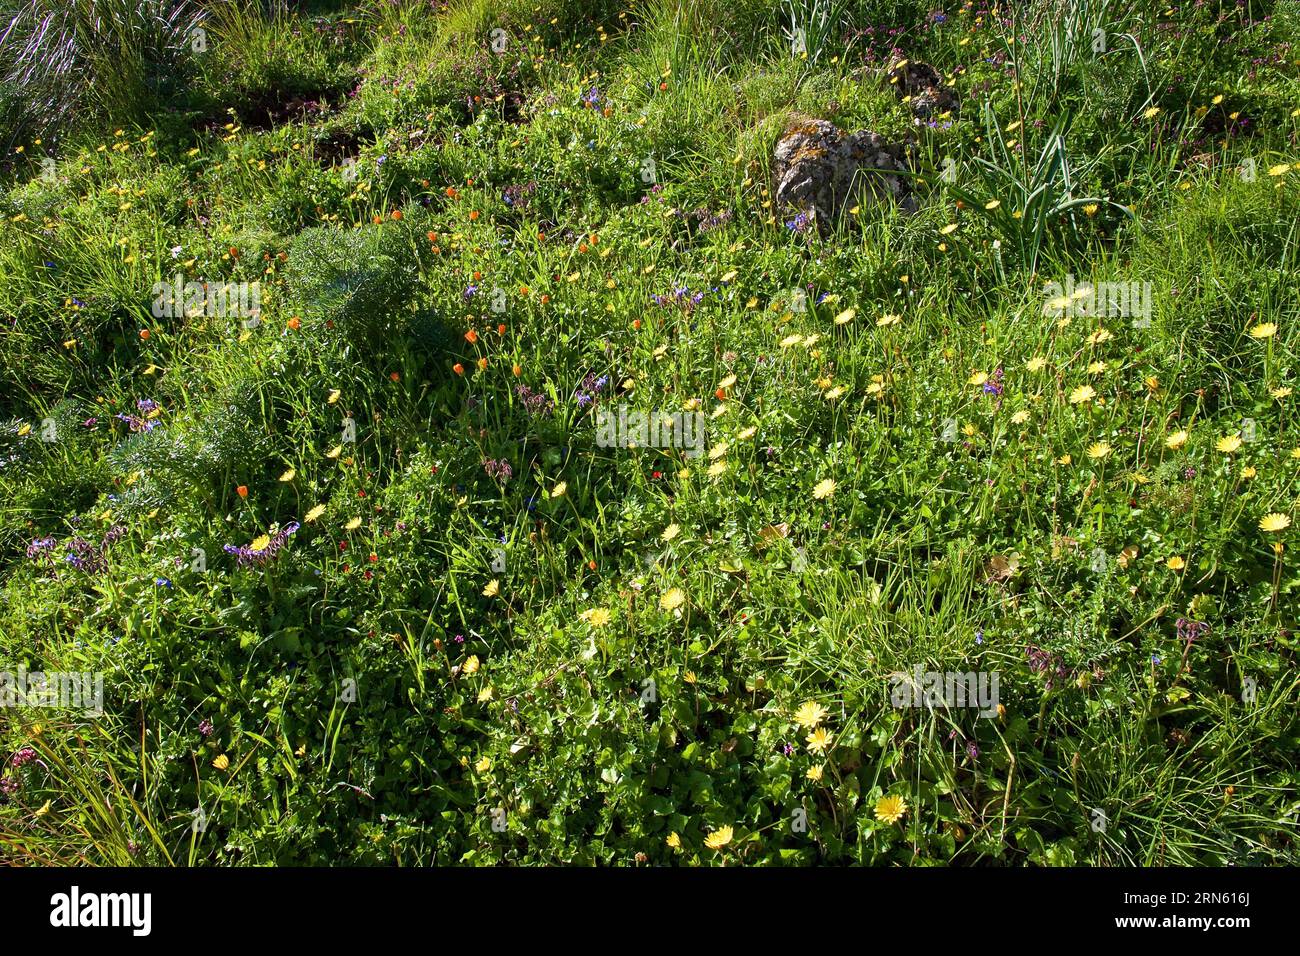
[545,299]
[501,329]
[473,215]
[458,369]
[242,491]
[377,219]
[144,333]
[295,323]
[477,276]
[451,192]
[607,112]
[471,336]
[482,364]
[541,237]
[722,394]
[636,323]
[662,87]
[395,376]
[433,236]
[582,247]
[523,290]
[518,370]
[397,214]
[234,253]
[424,183]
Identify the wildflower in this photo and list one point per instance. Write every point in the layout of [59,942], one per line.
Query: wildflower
[824,489]
[471,665]
[890,809]
[815,773]
[719,838]
[810,714]
[819,740]
[595,616]
[1175,563]
[264,548]
[1274,521]
[492,589]
[1098,450]
[1177,440]
[205,727]
[1265,330]
[670,532]
[672,599]
[1084,393]
[1228,444]
[674,841]
[559,490]
[222,762]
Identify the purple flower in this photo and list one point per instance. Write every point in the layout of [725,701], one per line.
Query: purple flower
[534,402]
[498,470]
[40,549]
[24,756]
[246,554]
[205,727]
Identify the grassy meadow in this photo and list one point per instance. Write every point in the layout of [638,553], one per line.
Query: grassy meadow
[365,577]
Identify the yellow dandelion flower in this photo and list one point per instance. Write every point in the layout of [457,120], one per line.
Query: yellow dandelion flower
[977,378]
[289,475]
[1084,393]
[719,838]
[222,762]
[1265,330]
[674,841]
[670,532]
[559,490]
[595,616]
[352,525]
[1036,364]
[1274,521]
[1098,449]
[824,489]
[1177,440]
[890,809]
[819,740]
[1175,563]
[815,773]
[810,714]
[845,317]
[1228,444]
[470,666]
[672,599]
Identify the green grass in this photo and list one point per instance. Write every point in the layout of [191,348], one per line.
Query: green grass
[600,659]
